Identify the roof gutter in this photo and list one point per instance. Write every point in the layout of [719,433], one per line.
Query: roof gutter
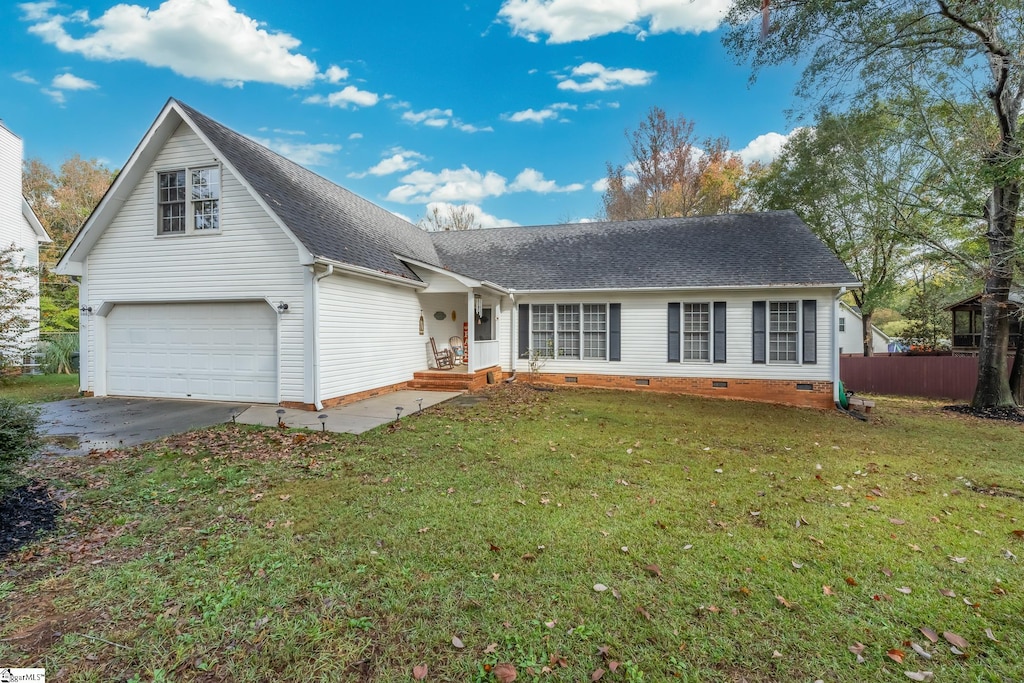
[695,288]
[369,273]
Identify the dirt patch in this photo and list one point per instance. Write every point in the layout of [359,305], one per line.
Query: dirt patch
[1004,413]
[26,513]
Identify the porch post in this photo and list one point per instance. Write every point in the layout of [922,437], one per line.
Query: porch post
[468,338]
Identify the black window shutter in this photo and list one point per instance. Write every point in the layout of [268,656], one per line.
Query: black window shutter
[810,331]
[524,330]
[615,332]
[673,333]
[719,342]
[759,331]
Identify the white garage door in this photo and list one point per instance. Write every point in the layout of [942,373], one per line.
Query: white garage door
[220,352]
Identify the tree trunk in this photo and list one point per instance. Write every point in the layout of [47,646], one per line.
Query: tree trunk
[1017,372]
[993,388]
[869,337]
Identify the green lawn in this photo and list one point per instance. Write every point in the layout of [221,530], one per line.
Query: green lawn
[40,388]
[736,542]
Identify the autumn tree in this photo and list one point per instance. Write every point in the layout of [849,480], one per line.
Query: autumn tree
[62,200]
[853,178]
[671,173]
[951,50]
[450,217]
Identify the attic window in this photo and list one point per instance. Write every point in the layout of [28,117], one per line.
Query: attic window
[188,201]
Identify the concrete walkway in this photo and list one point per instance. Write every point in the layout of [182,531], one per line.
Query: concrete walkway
[354,418]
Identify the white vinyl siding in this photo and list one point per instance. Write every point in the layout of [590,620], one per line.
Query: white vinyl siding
[644,328]
[369,335]
[251,258]
[14,228]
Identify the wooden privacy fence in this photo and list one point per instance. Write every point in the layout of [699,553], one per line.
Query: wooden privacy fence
[948,377]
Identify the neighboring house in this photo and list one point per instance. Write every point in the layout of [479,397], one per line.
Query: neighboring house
[967,323]
[214,268]
[851,332]
[18,224]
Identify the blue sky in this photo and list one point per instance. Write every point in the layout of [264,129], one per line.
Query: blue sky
[512,106]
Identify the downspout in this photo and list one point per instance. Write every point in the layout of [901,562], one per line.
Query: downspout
[317,398]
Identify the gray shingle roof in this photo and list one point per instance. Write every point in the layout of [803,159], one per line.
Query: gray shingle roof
[754,249]
[329,220]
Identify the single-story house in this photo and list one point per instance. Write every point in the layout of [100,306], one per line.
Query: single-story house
[851,332]
[19,226]
[215,268]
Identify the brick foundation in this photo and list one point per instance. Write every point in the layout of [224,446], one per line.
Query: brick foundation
[348,398]
[817,394]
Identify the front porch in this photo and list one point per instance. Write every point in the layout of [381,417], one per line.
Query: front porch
[459,378]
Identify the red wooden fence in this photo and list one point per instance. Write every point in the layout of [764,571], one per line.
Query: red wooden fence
[947,377]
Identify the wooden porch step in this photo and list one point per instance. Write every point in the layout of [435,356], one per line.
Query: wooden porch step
[453,381]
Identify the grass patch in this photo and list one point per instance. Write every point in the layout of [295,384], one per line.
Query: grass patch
[40,388]
[247,554]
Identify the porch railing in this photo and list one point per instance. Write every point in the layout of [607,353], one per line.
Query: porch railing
[484,354]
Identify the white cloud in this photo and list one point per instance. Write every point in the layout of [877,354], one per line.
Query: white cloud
[532,180]
[335,74]
[349,96]
[449,185]
[403,217]
[24,77]
[69,81]
[600,185]
[205,39]
[765,148]
[395,160]
[534,116]
[439,118]
[597,77]
[484,220]
[565,21]
[355,136]
[302,153]
[56,95]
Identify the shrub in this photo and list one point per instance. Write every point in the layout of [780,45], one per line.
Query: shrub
[18,440]
[57,351]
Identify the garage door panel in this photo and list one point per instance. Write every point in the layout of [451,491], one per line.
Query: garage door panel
[209,351]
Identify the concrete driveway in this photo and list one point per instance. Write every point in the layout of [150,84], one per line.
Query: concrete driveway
[79,425]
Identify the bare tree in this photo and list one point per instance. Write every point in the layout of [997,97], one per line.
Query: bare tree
[450,218]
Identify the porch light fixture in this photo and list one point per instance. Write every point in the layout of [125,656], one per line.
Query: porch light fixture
[86,309]
[323,421]
[282,307]
[398,410]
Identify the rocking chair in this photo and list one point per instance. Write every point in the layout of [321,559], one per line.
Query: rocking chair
[455,343]
[442,358]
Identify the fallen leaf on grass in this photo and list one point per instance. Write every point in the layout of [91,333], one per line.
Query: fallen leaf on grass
[897,521]
[947,592]
[905,590]
[920,675]
[613,666]
[457,642]
[653,570]
[991,636]
[644,613]
[784,602]
[528,557]
[423,530]
[850,580]
[504,673]
[491,649]
[921,651]
[419,672]
[858,649]
[1019,533]
[955,640]
[827,590]
[597,675]
[958,560]
[600,587]
[886,571]
[896,655]
[929,634]
[796,565]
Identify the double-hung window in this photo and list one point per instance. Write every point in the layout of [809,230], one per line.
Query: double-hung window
[568,331]
[783,329]
[188,201]
[696,332]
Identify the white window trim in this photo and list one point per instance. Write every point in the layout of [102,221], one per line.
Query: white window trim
[799,332]
[710,333]
[190,228]
[579,306]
